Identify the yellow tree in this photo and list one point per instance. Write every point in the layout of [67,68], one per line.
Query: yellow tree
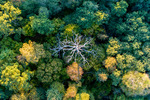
[83,96]
[14,78]
[110,64]
[71,92]
[32,51]
[8,15]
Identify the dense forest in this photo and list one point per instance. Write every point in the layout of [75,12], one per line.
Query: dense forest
[74,49]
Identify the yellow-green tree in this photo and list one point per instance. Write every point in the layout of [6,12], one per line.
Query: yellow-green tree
[135,84]
[32,51]
[113,47]
[14,78]
[70,29]
[8,15]
[83,96]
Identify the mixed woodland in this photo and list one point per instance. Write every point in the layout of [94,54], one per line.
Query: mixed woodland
[74,49]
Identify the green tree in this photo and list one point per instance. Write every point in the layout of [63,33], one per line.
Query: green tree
[120,8]
[43,12]
[9,43]
[42,25]
[49,70]
[54,6]
[37,93]
[86,15]
[31,7]
[71,4]
[7,56]
[2,94]
[53,94]
[116,77]
[58,86]
[146,49]
[96,31]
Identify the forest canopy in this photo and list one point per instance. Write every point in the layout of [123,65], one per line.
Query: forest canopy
[74,49]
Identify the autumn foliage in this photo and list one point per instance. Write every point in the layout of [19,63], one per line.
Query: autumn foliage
[75,72]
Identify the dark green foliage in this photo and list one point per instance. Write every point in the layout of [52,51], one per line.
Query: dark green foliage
[139,5]
[101,89]
[84,15]
[146,49]
[54,6]
[120,8]
[109,39]
[37,93]
[116,77]
[50,70]
[120,97]
[5,94]
[42,25]
[43,12]
[2,1]
[71,4]
[96,31]
[7,56]
[95,61]
[91,96]
[10,44]
[2,94]
[59,25]
[30,7]
[87,14]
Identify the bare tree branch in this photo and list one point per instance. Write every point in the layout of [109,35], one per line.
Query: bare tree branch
[78,46]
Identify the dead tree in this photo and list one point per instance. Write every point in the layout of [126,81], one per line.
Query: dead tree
[78,46]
